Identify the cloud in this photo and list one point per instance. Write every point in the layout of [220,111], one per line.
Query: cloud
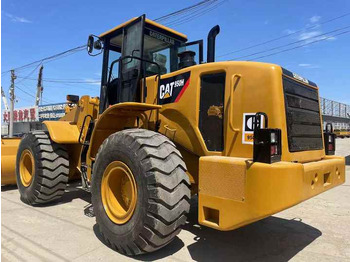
[17,19]
[312,32]
[307,35]
[91,81]
[312,36]
[311,66]
[304,65]
[289,31]
[315,19]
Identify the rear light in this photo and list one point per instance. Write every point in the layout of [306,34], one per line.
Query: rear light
[274,150]
[329,140]
[267,141]
[330,147]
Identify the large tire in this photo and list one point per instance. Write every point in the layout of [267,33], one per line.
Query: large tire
[43,175]
[163,192]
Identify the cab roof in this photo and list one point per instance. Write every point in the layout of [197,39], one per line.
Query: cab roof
[149,23]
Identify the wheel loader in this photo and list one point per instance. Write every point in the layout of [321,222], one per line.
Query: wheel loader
[246,137]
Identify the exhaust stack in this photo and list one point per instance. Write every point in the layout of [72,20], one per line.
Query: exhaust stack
[211,43]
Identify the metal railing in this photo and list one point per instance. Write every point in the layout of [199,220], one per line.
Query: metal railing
[333,108]
[337,110]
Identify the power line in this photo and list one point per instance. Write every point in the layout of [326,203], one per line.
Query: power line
[198,9]
[50,58]
[31,73]
[23,98]
[284,36]
[289,49]
[73,81]
[69,86]
[29,94]
[82,47]
[293,43]
[179,12]
[197,14]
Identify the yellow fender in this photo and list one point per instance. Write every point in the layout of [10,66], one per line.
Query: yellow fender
[9,147]
[116,118]
[63,132]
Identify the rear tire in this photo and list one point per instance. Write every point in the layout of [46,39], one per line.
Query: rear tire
[42,169]
[163,192]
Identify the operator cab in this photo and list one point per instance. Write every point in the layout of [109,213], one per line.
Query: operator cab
[137,49]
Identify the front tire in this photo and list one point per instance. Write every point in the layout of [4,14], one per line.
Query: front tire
[155,179]
[42,169]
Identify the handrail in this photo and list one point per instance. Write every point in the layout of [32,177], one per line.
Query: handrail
[231,101]
[82,128]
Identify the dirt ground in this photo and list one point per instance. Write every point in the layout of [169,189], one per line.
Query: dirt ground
[315,230]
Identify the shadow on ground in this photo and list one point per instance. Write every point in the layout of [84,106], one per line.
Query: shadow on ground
[271,239]
[73,191]
[169,250]
[8,188]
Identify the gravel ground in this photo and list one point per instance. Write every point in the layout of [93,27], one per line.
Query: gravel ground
[315,230]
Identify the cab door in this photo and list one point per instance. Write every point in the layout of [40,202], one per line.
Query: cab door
[131,66]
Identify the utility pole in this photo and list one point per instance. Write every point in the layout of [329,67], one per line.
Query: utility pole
[12,100]
[4,100]
[39,87]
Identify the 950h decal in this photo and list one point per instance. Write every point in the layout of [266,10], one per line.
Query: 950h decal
[172,88]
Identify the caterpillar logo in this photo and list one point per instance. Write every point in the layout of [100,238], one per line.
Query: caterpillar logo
[296,76]
[172,88]
[166,91]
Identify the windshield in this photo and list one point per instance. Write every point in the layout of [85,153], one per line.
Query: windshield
[162,50]
[158,48]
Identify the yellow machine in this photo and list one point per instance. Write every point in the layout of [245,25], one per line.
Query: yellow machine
[342,133]
[8,160]
[245,136]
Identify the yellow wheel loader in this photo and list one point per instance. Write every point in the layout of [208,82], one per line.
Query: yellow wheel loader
[246,137]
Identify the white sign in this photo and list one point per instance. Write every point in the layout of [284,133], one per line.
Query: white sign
[25,114]
[248,127]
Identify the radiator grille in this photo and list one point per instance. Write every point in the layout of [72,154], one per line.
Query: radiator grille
[302,116]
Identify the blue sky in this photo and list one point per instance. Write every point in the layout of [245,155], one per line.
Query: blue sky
[35,29]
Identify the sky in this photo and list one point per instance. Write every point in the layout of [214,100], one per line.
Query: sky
[35,29]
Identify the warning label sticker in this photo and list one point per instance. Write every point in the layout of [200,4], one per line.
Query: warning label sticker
[248,127]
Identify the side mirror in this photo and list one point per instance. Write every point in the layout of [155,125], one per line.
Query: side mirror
[93,44]
[98,44]
[90,44]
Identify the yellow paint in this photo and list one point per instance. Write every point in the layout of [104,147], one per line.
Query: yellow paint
[268,188]
[9,147]
[233,191]
[26,167]
[116,118]
[62,132]
[72,122]
[148,21]
[250,87]
[118,192]
[342,133]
